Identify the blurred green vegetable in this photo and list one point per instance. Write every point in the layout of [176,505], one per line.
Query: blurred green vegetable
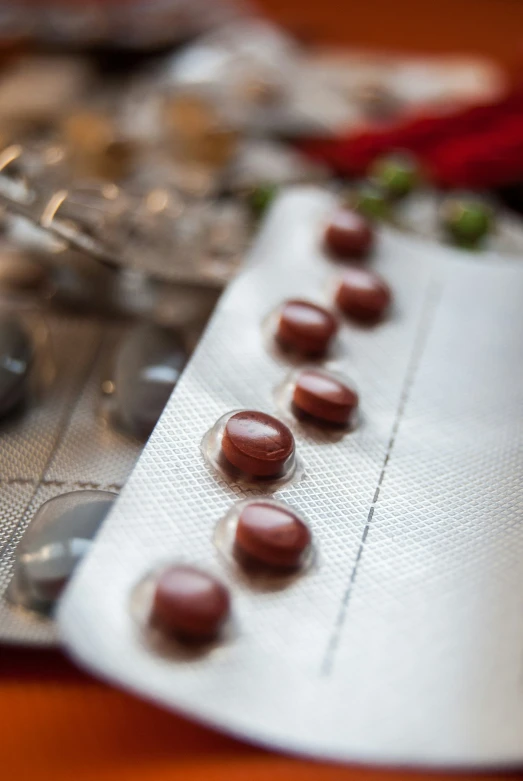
[260,198]
[467,221]
[397,175]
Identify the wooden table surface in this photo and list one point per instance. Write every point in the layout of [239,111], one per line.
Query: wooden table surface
[57,723]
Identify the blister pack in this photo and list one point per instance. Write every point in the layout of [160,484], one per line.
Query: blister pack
[320,547]
[80,391]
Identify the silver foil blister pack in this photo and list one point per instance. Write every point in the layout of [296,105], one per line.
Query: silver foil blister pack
[60,439]
[403,642]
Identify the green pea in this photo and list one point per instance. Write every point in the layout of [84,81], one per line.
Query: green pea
[467,221]
[396,175]
[370,201]
[260,198]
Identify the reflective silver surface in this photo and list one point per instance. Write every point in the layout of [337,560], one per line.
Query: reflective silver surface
[405,643]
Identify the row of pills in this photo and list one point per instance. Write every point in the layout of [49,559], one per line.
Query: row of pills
[191,604]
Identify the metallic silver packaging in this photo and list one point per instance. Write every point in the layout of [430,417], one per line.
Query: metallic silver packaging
[403,644]
[59,441]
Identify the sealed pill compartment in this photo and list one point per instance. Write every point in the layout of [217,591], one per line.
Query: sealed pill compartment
[57,538]
[268,541]
[301,329]
[253,447]
[182,610]
[320,400]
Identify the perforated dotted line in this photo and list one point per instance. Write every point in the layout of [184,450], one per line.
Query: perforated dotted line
[80,484]
[432,297]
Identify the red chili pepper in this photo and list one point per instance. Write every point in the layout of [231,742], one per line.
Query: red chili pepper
[480,144]
[488,159]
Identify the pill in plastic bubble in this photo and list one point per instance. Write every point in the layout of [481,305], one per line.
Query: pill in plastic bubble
[270,535]
[305,327]
[147,368]
[257,444]
[16,352]
[189,603]
[324,397]
[57,538]
[363,295]
[348,234]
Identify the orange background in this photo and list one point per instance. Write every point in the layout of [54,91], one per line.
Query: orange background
[55,722]
[489,27]
[59,725]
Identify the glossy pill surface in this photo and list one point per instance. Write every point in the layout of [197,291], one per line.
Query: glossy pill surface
[189,603]
[348,234]
[306,327]
[363,295]
[257,443]
[271,536]
[324,397]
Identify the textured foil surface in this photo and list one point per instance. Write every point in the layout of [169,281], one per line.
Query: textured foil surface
[61,441]
[404,643]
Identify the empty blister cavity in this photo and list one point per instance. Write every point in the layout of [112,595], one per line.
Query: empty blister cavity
[267,539]
[248,446]
[56,540]
[147,367]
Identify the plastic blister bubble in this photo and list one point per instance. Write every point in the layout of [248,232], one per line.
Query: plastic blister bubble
[167,644]
[291,470]
[260,574]
[315,426]
[55,541]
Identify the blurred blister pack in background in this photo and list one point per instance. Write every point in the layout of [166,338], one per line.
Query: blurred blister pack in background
[136,24]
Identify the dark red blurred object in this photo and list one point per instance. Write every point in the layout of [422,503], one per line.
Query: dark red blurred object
[348,235]
[478,147]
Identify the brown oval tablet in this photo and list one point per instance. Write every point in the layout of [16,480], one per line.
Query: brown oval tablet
[324,397]
[306,327]
[363,295]
[348,234]
[270,535]
[257,444]
[189,603]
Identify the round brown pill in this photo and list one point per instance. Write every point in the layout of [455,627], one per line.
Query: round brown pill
[257,444]
[348,234]
[270,536]
[363,295]
[305,327]
[189,603]
[324,397]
